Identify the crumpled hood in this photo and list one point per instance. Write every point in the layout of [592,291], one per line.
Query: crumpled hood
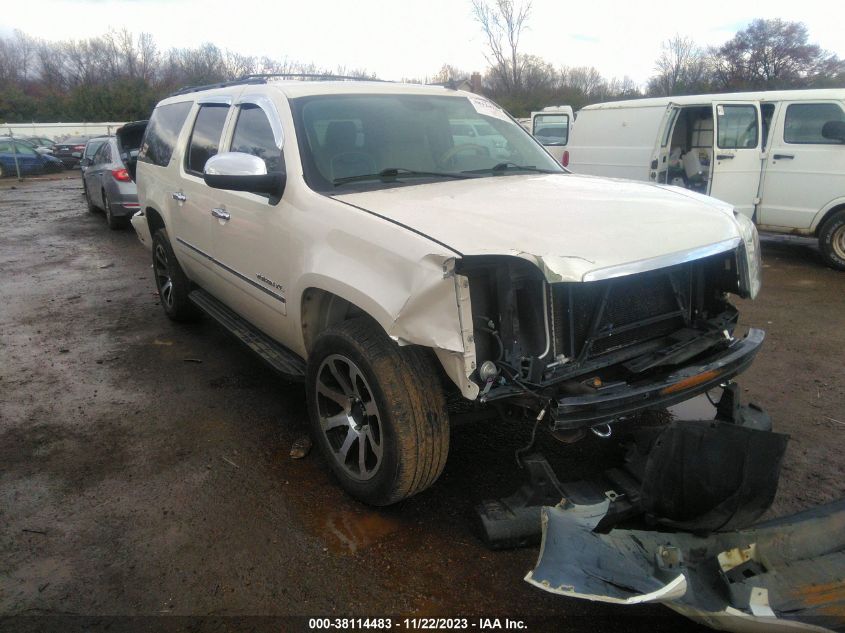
[568,225]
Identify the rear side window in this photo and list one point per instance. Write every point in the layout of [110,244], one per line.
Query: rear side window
[104,155]
[552,129]
[205,137]
[253,135]
[162,131]
[737,125]
[804,122]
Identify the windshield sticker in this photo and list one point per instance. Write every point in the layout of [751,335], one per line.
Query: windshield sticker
[488,108]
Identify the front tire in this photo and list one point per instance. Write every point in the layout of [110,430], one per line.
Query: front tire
[377,411]
[172,283]
[832,241]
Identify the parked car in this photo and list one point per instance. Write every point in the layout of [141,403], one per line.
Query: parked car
[107,183]
[349,236]
[69,151]
[43,145]
[778,157]
[28,160]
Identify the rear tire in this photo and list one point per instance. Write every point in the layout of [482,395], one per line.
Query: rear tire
[832,240]
[172,283]
[91,207]
[377,411]
[115,223]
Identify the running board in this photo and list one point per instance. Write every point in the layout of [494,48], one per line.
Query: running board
[274,354]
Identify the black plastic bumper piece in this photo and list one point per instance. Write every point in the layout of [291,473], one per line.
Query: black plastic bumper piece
[572,412]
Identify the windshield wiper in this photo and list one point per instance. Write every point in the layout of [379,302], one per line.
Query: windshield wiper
[503,167]
[390,174]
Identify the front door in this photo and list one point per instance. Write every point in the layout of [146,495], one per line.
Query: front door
[804,170]
[737,155]
[250,231]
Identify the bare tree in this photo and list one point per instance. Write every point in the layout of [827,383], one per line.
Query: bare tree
[772,54]
[502,23]
[681,68]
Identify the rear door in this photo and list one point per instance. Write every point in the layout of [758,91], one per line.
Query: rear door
[93,174]
[804,171]
[193,200]
[737,162]
[551,128]
[659,167]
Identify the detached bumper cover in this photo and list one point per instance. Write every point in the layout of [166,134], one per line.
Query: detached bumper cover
[576,411]
[142,229]
[782,575]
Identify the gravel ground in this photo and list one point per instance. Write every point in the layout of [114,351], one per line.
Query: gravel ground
[144,465]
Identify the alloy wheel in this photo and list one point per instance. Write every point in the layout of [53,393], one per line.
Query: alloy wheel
[164,280]
[349,417]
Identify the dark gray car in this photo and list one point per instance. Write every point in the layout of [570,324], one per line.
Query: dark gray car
[108,185]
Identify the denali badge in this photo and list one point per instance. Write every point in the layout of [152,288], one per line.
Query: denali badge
[270,283]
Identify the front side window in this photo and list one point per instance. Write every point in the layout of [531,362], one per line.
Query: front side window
[205,137]
[360,140]
[254,135]
[804,122]
[162,132]
[552,129]
[737,126]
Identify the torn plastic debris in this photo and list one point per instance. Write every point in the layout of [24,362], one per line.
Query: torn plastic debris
[782,575]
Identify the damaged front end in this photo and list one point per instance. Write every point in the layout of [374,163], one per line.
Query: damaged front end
[597,351]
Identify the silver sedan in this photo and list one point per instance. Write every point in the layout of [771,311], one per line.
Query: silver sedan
[108,185]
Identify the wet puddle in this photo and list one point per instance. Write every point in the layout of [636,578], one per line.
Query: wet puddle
[352,531]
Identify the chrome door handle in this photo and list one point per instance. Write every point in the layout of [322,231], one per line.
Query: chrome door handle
[178,195]
[220,214]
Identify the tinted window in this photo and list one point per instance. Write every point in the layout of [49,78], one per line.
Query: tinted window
[162,132]
[804,122]
[104,155]
[205,137]
[92,148]
[253,135]
[737,125]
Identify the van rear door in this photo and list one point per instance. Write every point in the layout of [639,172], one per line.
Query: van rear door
[658,170]
[551,127]
[737,155]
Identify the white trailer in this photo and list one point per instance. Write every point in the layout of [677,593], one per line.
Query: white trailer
[778,157]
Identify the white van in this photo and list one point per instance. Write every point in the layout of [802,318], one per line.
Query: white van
[551,126]
[778,157]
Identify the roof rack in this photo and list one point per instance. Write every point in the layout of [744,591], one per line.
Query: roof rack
[315,76]
[223,84]
[261,78]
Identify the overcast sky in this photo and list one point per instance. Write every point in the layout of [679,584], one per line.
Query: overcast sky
[414,38]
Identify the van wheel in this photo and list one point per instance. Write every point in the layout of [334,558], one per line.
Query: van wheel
[377,411]
[832,241]
[172,283]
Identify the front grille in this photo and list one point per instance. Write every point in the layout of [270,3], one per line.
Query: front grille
[595,318]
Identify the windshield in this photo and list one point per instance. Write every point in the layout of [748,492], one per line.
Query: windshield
[355,141]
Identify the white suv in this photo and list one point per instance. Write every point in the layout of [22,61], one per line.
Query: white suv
[349,234]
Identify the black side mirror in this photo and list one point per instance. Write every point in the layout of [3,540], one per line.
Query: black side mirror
[85,162]
[834,130]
